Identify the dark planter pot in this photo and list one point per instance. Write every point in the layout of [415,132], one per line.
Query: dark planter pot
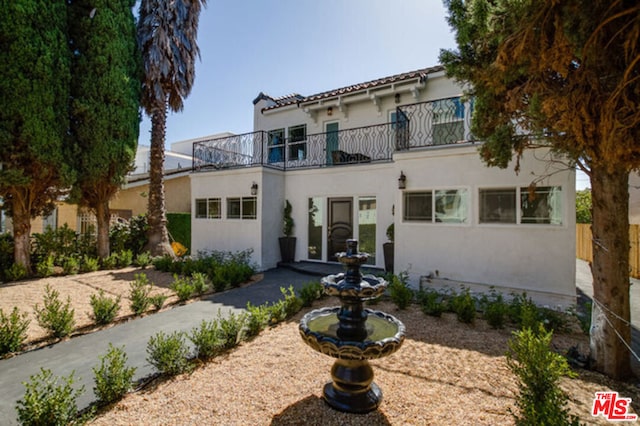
[287,249]
[387,249]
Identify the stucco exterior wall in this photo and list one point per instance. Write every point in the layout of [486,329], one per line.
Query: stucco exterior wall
[516,256]
[227,234]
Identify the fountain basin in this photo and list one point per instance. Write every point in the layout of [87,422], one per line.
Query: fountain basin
[369,287]
[385,335]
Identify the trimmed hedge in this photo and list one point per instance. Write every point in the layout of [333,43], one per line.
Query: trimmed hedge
[179,227]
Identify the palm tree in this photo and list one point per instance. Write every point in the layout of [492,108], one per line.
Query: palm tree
[167,32]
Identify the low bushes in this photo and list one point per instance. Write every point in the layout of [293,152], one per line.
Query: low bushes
[13,331]
[54,316]
[168,353]
[49,400]
[105,309]
[112,377]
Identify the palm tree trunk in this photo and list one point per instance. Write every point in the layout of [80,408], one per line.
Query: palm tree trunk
[610,326]
[158,243]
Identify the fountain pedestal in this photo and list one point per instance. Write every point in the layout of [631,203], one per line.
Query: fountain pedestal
[352,334]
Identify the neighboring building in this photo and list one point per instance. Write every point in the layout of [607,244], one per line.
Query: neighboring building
[132,199]
[397,150]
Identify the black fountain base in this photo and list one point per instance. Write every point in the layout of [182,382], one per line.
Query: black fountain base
[352,389]
[353,335]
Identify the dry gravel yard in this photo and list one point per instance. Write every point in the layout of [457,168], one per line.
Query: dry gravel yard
[446,372]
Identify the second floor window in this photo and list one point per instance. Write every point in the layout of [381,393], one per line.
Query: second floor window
[276,145]
[448,121]
[298,142]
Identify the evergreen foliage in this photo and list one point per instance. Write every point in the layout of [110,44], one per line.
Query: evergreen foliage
[105,93]
[562,75]
[34,65]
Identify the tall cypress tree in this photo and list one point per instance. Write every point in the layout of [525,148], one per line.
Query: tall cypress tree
[105,99]
[34,65]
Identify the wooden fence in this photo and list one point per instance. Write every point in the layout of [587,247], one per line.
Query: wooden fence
[584,248]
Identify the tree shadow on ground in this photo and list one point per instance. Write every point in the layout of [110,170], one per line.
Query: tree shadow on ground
[299,414]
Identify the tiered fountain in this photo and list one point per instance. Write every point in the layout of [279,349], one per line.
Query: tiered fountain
[352,334]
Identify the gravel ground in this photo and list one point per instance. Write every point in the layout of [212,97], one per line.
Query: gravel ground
[445,373]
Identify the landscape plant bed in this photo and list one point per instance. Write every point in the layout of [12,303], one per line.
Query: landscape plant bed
[26,294]
[445,373]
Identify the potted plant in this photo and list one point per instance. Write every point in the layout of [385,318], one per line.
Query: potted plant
[288,242]
[388,249]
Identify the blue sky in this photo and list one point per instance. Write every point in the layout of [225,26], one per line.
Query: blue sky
[299,46]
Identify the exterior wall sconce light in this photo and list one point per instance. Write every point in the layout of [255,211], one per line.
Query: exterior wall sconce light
[402,181]
[330,111]
[397,98]
[254,189]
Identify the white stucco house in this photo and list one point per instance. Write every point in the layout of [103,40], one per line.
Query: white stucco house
[396,150]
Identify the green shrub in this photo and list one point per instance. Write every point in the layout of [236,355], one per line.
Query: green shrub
[431,303]
[13,331]
[541,401]
[231,328]
[58,243]
[46,267]
[183,288]
[112,377]
[207,339]
[495,309]
[199,283]
[553,320]
[310,292]
[158,301]
[163,263]
[125,258]
[168,353]
[16,272]
[465,307]
[70,265]
[258,319]
[143,260]
[286,307]
[89,264]
[218,279]
[139,291]
[399,290]
[130,235]
[110,262]
[54,316]
[48,400]
[104,308]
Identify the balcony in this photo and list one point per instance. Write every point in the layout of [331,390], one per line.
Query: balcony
[441,122]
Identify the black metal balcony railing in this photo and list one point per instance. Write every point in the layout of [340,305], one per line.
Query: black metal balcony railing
[424,124]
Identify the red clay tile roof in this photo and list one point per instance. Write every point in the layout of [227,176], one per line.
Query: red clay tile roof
[298,99]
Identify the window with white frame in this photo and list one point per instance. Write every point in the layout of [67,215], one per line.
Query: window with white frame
[451,206]
[275,144]
[438,206]
[537,205]
[298,142]
[242,208]
[448,121]
[497,205]
[541,205]
[418,206]
[208,208]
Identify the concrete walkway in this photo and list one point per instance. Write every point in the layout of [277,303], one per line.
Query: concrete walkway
[81,354]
